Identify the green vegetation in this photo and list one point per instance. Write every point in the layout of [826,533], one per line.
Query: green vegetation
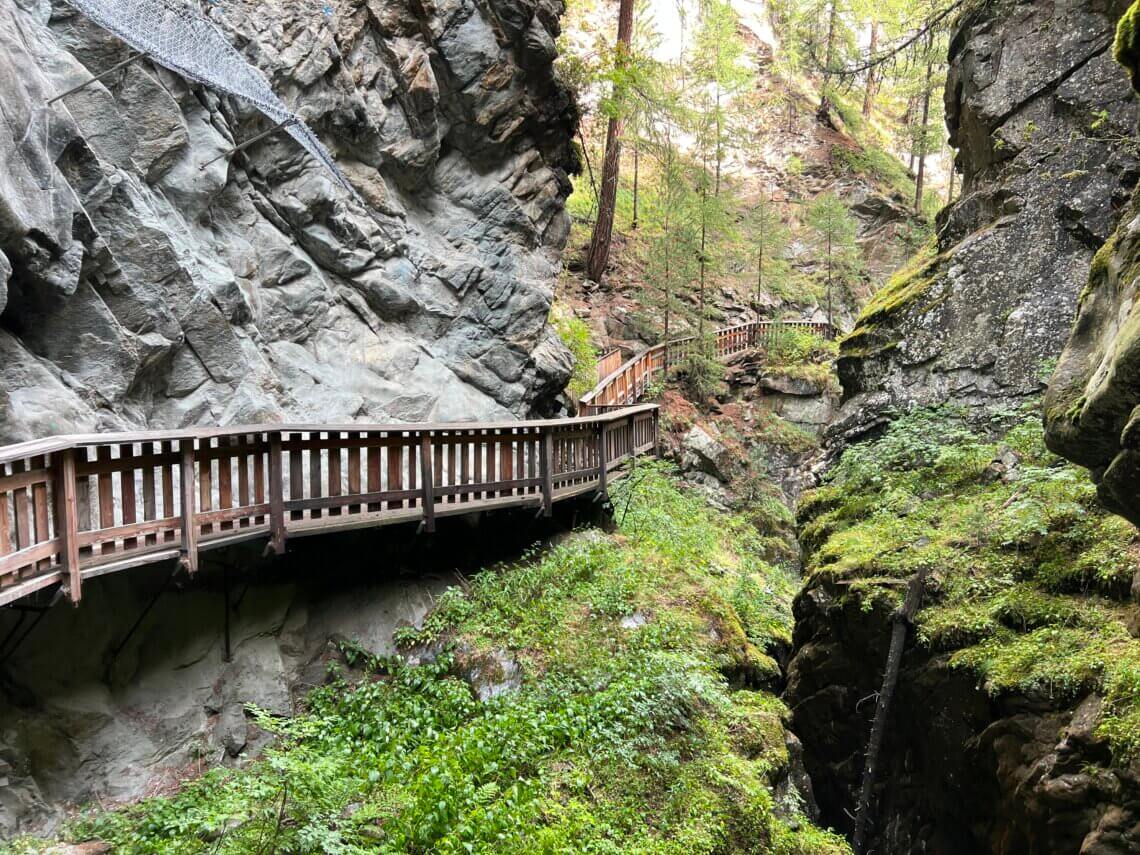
[574,333]
[907,287]
[638,726]
[1126,50]
[803,355]
[1031,576]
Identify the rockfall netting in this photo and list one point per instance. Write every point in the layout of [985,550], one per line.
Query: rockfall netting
[179,37]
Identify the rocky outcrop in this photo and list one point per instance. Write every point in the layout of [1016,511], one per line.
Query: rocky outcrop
[1092,409]
[140,287]
[961,771]
[1037,109]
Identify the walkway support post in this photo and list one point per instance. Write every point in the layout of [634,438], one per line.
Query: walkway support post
[276,495]
[603,461]
[67,524]
[545,456]
[189,529]
[428,488]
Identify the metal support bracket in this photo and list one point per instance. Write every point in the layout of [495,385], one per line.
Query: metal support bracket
[239,148]
[134,57]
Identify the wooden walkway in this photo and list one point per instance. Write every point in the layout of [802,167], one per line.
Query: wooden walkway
[76,507]
[624,384]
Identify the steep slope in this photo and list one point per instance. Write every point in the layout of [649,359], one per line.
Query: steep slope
[1037,109]
[141,287]
[782,155]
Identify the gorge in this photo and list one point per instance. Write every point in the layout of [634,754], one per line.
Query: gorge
[686,658]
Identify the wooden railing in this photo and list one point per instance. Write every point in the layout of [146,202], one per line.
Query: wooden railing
[608,363]
[626,384]
[76,507]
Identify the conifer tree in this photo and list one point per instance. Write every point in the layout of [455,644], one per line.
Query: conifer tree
[599,252]
[835,232]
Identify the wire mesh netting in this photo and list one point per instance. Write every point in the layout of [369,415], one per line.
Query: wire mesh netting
[177,36]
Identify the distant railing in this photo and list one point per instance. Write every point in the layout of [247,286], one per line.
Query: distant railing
[76,507]
[608,363]
[626,384]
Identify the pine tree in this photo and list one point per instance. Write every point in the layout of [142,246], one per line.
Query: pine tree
[599,253]
[768,236]
[835,231]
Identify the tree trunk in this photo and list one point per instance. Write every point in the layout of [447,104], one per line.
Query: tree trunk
[903,619]
[829,58]
[830,316]
[760,269]
[599,254]
[918,188]
[908,122]
[953,175]
[668,271]
[872,81]
[704,235]
[635,165]
[589,166]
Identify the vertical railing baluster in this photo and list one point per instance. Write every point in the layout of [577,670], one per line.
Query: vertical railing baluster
[189,528]
[425,476]
[276,494]
[67,524]
[546,467]
[603,459]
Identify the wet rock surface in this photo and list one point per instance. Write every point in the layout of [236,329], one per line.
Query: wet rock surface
[1037,107]
[139,287]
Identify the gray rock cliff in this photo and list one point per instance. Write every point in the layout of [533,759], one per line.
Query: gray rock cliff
[1092,409]
[1036,107]
[138,288]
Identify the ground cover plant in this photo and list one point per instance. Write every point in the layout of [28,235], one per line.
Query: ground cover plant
[1031,578]
[641,723]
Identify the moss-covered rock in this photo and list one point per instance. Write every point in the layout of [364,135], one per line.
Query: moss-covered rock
[1126,48]
[1035,108]
[1019,697]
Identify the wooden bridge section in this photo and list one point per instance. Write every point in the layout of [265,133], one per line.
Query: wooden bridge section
[626,383]
[72,508]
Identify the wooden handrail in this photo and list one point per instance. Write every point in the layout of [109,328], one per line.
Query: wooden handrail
[75,507]
[608,362]
[627,383]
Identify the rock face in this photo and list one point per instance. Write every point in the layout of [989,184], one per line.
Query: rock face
[1091,414]
[1091,406]
[140,287]
[83,724]
[1037,107]
[960,771]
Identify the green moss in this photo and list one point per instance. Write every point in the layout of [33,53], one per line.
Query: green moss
[903,292]
[625,737]
[1032,576]
[1125,49]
